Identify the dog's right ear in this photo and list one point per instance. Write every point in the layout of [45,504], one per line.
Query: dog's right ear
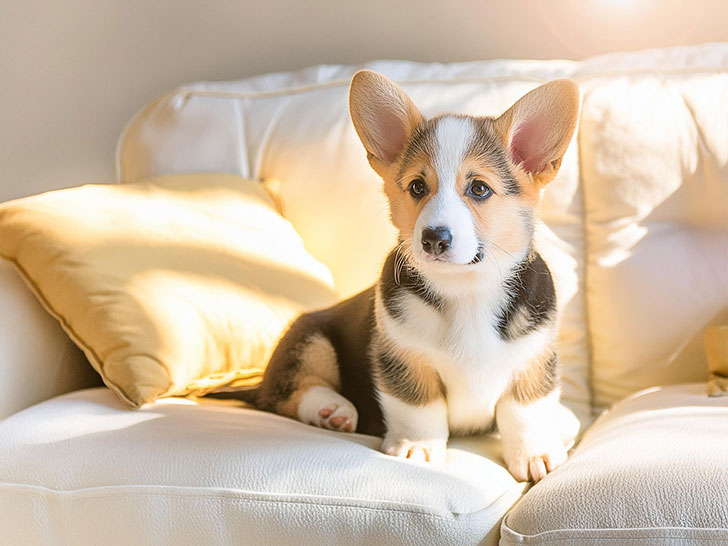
[384,117]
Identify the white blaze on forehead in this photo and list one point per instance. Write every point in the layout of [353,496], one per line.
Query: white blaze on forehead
[453,137]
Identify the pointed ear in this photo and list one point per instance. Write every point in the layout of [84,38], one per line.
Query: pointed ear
[537,129]
[383,116]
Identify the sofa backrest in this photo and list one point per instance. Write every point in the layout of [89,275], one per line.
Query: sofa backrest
[635,225]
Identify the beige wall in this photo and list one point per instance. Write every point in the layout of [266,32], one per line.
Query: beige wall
[73,71]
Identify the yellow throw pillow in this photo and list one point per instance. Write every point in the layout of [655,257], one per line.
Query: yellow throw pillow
[172,285]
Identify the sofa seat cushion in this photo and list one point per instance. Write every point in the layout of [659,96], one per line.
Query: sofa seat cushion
[83,469]
[653,470]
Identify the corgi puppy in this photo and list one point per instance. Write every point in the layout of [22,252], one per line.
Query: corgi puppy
[459,333]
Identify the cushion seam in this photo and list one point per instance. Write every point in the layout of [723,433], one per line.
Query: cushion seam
[584,277]
[514,537]
[582,538]
[191,91]
[239,497]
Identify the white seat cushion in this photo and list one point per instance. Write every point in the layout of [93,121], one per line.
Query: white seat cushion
[82,469]
[654,470]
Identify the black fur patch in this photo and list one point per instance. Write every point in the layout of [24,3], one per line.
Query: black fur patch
[397,279]
[532,299]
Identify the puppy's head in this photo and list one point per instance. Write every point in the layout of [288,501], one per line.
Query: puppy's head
[463,187]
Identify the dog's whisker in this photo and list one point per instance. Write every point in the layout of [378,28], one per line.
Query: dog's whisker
[494,261]
[397,263]
[503,250]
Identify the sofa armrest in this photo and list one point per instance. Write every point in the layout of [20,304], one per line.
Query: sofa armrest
[37,359]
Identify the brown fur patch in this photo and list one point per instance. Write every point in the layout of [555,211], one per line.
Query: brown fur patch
[488,150]
[538,380]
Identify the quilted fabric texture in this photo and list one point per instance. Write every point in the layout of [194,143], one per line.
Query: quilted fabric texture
[171,285]
[651,471]
[210,473]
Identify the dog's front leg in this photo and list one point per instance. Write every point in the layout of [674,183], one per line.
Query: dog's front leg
[535,435]
[417,432]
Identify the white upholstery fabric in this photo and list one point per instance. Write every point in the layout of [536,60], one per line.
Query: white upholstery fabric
[295,128]
[37,360]
[654,163]
[82,469]
[653,470]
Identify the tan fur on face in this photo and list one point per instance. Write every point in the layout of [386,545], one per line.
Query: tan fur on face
[416,161]
[505,220]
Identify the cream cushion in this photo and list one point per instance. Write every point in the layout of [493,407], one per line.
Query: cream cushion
[83,469]
[654,151]
[653,470]
[171,285]
[37,360]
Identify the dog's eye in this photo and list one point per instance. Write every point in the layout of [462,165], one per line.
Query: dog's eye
[480,189]
[418,188]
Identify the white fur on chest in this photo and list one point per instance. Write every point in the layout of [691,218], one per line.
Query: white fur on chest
[461,342]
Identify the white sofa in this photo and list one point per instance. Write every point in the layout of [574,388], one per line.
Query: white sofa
[635,231]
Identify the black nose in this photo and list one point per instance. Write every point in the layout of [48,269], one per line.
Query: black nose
[436,240]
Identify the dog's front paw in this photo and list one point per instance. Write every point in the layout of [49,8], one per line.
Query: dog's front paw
[532,462]
[432,451]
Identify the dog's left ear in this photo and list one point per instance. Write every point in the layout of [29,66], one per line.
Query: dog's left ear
[538,128]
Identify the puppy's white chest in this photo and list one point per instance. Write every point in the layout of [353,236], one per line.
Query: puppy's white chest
[462,345]
[475,364]
[475,367]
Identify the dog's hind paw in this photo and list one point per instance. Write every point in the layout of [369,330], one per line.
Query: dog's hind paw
[324,407]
